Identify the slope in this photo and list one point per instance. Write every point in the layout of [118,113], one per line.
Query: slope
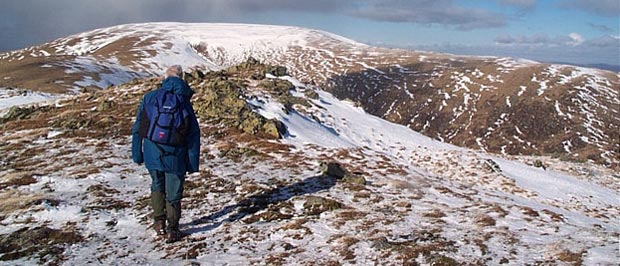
[500,105]
[260,199]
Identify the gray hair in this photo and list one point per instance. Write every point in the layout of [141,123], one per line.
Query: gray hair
[174,71]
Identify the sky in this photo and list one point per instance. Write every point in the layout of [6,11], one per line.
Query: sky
[568,31]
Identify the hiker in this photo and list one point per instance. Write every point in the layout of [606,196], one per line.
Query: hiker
[166,138]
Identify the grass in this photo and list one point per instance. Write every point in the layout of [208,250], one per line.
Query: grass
[12,201]
[43,242]
[17,179]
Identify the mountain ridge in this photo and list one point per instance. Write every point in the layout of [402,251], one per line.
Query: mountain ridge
[580,104]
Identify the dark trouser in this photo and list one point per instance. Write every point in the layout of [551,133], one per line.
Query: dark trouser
[166,194]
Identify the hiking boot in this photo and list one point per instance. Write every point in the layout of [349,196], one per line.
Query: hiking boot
[160,227]
[173,236]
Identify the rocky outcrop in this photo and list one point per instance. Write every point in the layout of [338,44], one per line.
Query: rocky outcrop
[222,100]
[17,113]
[336,170]
[315,205]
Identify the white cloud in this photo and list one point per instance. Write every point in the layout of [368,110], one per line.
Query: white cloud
[577,39]
[541,39]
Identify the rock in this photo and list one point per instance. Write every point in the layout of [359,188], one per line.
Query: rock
[73,123]
[354,179]
[17,113]
[278,71]
[236,154]
[223,99]
[274,129]
[492,166]
[333,169]
[381,243]
[252,61]
[316,205]
[312,94]
[336,170]
[105,106]
[316,118]
[441,260]
[540,164]
[277,86]
[17,178]
[258,76]
[281,211]
[232,69]
[197,74]
[193,76]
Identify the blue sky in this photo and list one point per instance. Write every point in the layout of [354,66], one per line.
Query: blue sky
[572,31]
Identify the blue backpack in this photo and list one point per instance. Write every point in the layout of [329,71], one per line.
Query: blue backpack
[165,119]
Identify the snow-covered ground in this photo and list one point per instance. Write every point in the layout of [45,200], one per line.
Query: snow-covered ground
[420,194]
[210,46]
[14,97]
[348,126]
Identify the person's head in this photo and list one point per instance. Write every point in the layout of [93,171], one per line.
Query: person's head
[174,71]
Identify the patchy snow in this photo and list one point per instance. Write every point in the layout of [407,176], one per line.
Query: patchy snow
[535,212]
[415,184]
[210,46]
[543,87]
[365,65]
[17,97]
[552,187]
[508,64]
[557,108]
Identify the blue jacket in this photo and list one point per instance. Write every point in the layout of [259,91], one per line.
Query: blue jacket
[183,158]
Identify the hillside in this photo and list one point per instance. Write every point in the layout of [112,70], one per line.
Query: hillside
[71,195]
[500,105]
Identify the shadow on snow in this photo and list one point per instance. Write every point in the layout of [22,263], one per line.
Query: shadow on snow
[261,201]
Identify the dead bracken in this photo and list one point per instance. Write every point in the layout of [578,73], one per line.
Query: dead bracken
[44,243]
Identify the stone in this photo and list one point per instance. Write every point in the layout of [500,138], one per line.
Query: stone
[492,166]
[105,106]
[252,61]
[223,99]
[312,94]
[279,71]
[258,76]
[17,113]
[316,205]
[354,179]
[274,129]
[333,169]
[540,164]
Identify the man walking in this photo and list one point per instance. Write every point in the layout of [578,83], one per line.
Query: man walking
[166,138]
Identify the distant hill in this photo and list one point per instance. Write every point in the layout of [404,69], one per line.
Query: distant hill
[501,105]
[614,68]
